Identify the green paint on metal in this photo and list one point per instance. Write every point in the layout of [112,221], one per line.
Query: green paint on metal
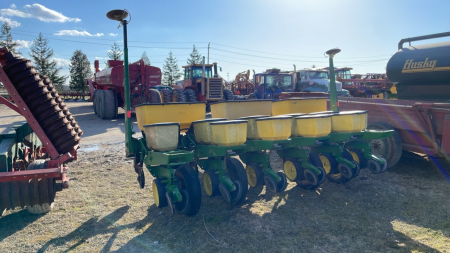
[227,182]
[128,130]
[333,94]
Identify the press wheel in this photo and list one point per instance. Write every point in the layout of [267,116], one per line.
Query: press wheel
[293,169]
[211,183]
[373,166]
[189,183]
[255,175]
[271,184]
[237,173]
[159,193]
[282,185]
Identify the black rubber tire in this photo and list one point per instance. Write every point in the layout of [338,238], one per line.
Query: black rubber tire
[373,166]
[191,96]
[348,156]
[179,96]
[298,168]
[393,144]
[191,184]
[345,171]
[362,159]
[98,102]
[214,182]
[161,188]
[282,185]
[271,184]
[237,173]
[334,175]
[311,177]
[228,95]
[37,165]
[154,97]
[94,104]
[108,108]
[165,95]
[258,172]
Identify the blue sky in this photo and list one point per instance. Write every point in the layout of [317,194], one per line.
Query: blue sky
[243,34]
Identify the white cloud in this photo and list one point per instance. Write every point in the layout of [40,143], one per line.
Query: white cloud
[12,23]
[77,33]
[23,43]
[112,34]
[13,6]
[40,12]
[61,62]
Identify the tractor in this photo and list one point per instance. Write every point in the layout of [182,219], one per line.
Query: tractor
[201,84]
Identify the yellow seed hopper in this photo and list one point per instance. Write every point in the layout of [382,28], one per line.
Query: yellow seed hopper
[298,105]
[244,108]
[184,113]
[229,132]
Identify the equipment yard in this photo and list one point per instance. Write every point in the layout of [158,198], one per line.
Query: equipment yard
[405,209]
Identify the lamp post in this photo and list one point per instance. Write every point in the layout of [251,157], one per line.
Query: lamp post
[120,15]
[333,96]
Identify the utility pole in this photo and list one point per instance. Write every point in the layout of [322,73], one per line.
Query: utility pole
[208,51]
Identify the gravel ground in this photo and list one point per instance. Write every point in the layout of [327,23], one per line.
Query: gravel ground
[405,209]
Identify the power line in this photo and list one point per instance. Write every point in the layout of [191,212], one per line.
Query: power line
[293,55]
[102,44]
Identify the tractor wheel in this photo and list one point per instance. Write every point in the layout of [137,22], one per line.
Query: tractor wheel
[228,95]
[190,190]
[165,95]
[237,173]
[159,193]
[271,184]
[178,96]
[389,148]
[154,97]
[211,183]
[191,96]
[373,166]
[108,105]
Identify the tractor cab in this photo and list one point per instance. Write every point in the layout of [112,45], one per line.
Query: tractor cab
[271,83]
[204,81]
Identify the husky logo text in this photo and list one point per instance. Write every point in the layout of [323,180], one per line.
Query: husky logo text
[422,66]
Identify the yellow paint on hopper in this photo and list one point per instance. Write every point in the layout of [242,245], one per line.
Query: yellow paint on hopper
[314,125]
[274,128]
[252,127]
[237,109]
[229,133]
[349,121]
[184,113]
[202,130]
[303,105]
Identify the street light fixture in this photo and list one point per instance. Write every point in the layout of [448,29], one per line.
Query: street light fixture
[120,15]
[333,96]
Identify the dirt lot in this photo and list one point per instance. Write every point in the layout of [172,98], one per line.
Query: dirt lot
[406,209]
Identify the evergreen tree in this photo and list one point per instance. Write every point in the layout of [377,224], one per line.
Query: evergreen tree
[196,58]
[313,66]
[42,58]
[7,40]
[171,72]
[80,69]
[146,59]
[115,53]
